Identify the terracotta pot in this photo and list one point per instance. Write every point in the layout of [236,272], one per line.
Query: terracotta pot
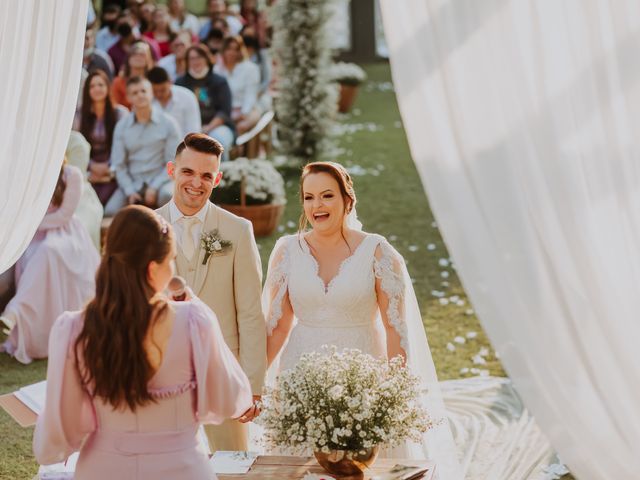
[265,218]
[347,464]
[347,97]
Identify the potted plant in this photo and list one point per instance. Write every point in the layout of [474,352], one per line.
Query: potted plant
[349,76]
[252,189]
[343,406]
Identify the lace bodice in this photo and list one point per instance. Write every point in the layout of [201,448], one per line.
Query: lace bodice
[344,312]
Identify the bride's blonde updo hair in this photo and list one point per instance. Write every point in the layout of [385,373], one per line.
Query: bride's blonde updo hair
[340,175]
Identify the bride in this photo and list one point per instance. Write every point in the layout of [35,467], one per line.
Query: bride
[333,284]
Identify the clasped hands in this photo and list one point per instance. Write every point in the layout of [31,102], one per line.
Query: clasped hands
[252,412]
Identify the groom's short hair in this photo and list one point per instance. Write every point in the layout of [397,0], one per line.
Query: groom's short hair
[200,143]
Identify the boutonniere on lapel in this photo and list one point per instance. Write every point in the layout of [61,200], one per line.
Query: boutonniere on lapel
[213,244]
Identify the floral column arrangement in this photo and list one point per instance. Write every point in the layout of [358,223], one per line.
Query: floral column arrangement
[306,103]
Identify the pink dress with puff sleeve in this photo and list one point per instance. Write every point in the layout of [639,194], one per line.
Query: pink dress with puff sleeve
[198,381]
[56,273]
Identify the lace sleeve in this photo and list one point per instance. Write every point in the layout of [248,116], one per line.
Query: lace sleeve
[388,267]
[276,286]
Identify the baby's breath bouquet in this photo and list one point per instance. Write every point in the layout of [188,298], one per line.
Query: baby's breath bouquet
[343,400]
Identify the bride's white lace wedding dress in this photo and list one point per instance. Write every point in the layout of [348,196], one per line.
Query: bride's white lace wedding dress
[345,313]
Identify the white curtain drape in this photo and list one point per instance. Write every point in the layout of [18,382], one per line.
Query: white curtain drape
[41,44]
[523,120]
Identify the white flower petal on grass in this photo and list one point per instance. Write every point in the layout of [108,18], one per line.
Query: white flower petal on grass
[413,248]
[451,347]
[431,247]
[291,224]
[437,293]
[460,303]
[443,262]
[469,311]
[474,370]
[472,334]
[555,471]
[280,228]
[444,274]
[484,373]
[444,284]
[464,370]
[484,351]
[454,298]
[459,340]
[444,301]
[393,238]
[478,360]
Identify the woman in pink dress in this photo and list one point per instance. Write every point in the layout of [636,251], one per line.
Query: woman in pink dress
[131,377]
[55,273]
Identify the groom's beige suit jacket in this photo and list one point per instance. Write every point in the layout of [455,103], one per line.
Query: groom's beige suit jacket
[230,283]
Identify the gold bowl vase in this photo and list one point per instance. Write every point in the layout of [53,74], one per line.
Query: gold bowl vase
[347,464]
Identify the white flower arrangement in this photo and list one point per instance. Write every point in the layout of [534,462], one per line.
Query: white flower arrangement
[263,184]
[343,400]
[307,103]
[347,73]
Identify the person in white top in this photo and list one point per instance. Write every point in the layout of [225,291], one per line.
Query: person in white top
[179,102]
[243,77]
[181,19]
[218,9]
[176,62]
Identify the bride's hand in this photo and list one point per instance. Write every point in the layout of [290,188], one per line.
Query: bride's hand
[253,412]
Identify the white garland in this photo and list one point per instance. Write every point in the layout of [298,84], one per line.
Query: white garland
[262,180]
[344,400]
[307,103]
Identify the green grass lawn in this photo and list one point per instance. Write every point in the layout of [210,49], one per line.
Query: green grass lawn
[391,201]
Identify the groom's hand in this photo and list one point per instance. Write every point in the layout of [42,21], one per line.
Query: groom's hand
[253,412]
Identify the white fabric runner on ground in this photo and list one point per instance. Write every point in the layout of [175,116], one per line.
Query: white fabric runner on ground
[496,436]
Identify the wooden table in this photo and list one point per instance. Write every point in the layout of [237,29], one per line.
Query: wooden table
[269,467]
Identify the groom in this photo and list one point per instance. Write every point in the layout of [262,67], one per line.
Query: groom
[226,274]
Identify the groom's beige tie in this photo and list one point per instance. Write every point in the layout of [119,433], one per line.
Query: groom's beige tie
[187,243]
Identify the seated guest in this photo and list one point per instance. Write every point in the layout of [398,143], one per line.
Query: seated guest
[215,39]
[94,58]
[217,9]
[54,274]
[144,13]
[128,36]
[243,77]
[256,20]
[137,64]
[213,94]
[108,35]
[177,101]
[132,376]
[96,121]
[160,30]
[143,143]
[259,56]
[175,63]
[181,19]
[90,210]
